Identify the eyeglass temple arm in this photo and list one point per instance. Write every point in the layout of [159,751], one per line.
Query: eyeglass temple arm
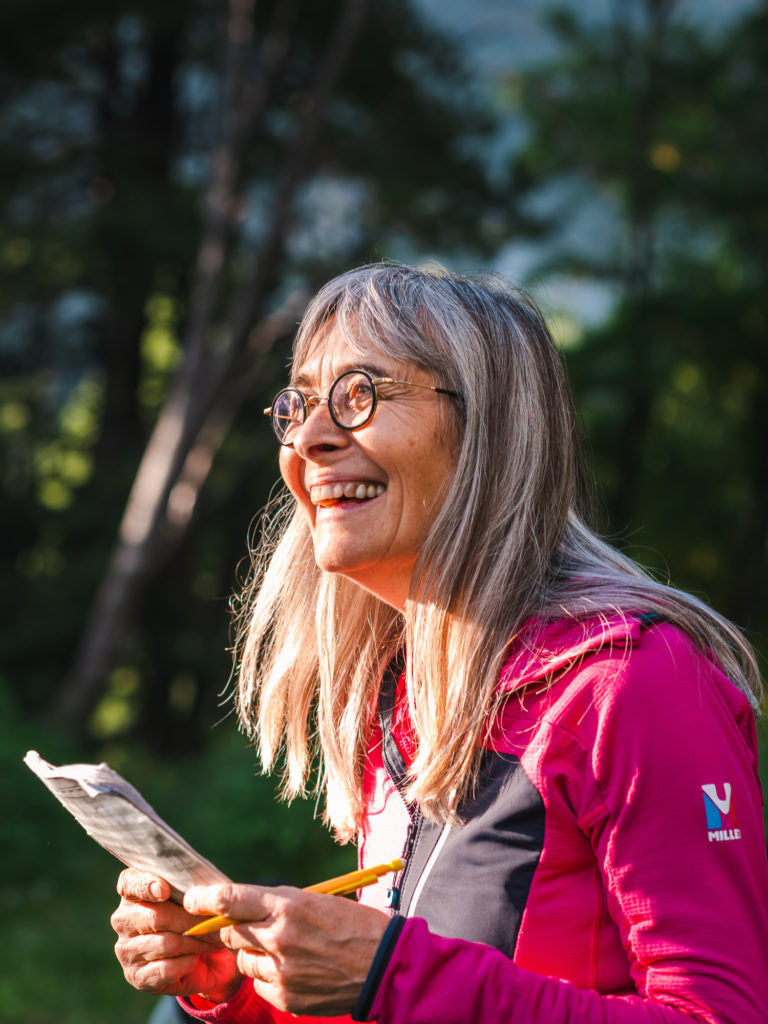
[413,384]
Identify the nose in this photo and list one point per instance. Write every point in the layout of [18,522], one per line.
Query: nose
[318,432]
[312,401]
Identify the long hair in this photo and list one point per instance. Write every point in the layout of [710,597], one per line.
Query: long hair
[511,540]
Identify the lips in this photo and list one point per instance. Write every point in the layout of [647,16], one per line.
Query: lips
[351,490]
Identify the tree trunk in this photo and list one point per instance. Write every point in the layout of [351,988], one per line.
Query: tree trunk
[186,433]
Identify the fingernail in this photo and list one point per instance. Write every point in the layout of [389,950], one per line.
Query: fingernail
[156,890]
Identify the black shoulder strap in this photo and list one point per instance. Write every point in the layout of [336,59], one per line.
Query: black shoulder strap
[394,761]
[648,619]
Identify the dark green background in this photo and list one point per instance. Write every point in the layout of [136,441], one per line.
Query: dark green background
[639,168]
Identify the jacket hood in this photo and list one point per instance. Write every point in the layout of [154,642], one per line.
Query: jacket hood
[544,647]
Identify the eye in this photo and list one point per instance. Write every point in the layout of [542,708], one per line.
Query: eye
[359,392]
[288,411]
[293,404]
[352,398]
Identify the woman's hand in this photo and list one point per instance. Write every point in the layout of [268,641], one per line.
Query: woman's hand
[153,952]
[306,953]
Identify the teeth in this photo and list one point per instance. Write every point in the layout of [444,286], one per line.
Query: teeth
[328,494]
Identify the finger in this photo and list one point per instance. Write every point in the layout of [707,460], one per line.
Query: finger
[286,915]
[216,976]
[141,885]
[160,975]
[257,966]
[134,918]
[146,947]
[241,902]
[246,937]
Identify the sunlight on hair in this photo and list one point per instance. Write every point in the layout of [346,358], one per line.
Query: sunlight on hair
[510,547]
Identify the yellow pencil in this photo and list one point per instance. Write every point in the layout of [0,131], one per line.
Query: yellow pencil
[339,886]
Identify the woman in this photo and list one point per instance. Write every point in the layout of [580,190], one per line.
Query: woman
[563,747]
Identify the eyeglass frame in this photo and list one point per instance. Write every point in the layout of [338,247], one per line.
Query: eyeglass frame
[308,402]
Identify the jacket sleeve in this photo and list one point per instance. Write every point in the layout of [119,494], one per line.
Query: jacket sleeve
[246,1007]
[670,800]
[431,979]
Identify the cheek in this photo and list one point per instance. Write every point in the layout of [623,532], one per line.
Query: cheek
[284,461]
[290,470]
[433,483]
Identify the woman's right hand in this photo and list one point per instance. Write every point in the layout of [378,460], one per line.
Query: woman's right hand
[153,951]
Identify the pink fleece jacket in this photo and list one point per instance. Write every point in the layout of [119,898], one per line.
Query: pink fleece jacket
[648,902]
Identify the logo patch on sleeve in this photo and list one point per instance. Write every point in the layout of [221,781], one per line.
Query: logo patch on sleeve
[722,823]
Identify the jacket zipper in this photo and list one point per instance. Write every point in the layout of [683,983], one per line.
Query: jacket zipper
[414,827]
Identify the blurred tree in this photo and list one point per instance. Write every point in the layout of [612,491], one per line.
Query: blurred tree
[199,405]
[179,179]
[646,162]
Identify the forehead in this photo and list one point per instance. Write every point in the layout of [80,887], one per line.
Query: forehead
[331,351]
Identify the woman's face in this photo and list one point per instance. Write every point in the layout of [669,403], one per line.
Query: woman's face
[400,456]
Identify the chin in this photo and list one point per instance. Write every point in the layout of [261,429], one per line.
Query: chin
[341,567]
[356,570]
[336,562]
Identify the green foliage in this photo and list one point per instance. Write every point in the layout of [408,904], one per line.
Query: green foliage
[58,891]
[658,123]
[58,885]
[110,118]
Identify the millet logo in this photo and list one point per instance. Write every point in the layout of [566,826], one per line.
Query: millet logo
[717,808]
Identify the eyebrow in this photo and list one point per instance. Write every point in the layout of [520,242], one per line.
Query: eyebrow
[303,380]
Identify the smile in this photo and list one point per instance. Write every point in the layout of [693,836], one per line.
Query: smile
[332,494]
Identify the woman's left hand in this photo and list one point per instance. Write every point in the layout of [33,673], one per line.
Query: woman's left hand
[306,953]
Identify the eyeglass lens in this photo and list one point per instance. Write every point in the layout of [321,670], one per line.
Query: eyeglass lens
[352,400]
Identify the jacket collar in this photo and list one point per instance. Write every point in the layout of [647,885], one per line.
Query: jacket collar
[540,649]
[544,647]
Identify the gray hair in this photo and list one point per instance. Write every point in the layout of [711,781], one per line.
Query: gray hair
[510,541]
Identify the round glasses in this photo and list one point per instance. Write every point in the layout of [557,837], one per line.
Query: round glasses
[352,401]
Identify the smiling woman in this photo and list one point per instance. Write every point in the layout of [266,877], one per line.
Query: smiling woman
[389,469]
[483,685]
